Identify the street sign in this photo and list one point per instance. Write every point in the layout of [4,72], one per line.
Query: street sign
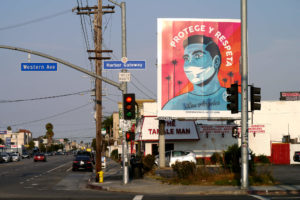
[39,66]
[3,132]
[124,77]
[128,65]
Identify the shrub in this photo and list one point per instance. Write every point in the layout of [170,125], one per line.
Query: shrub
[262,159]
[232,159]
[114,155]
[216,158]
[148,162]
[184,169]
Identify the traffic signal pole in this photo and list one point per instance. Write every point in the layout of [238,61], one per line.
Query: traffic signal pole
[244,121]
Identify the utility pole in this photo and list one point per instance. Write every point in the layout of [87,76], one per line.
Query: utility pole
[98,11]
[244,122]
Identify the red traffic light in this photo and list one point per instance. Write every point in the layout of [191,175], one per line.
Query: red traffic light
[128,99]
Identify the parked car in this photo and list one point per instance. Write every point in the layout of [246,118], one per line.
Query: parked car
[25,155]
[82,162]
[6,156]
[86,153]
[39,157]
[15,156]
[172,157]
[297,156]
[1,160]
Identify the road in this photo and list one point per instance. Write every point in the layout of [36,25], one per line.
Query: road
[54,179]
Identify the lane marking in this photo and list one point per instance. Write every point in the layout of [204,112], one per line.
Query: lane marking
[259,197]
[138,197]
[69,169]
[56,168]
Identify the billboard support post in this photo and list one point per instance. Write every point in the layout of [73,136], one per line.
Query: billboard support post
[162,161]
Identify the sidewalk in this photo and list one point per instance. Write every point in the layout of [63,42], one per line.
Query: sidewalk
[113,181]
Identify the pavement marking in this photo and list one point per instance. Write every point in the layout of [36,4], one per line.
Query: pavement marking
[21,182]
[56,168]
[138,197]
[34,184]
[259,197]
[69,169]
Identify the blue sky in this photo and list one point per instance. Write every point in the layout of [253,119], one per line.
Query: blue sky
[273,41]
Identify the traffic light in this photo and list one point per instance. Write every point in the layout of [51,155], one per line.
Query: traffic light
[255,98]
[129,106]
[233,98]
[235,133]
[130,136]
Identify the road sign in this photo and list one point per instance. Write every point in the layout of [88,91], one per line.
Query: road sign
[128,65]
[124,77]
[39,66]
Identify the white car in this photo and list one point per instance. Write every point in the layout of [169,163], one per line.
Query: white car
[177,156]
[6,157]
[15,156]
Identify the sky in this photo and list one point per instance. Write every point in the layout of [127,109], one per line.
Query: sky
[52,28]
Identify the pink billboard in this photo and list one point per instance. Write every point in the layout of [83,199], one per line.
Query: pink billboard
[197,60]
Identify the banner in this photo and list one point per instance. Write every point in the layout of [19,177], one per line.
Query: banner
[197,60]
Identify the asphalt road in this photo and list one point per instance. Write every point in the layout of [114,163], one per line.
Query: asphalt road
[54,179]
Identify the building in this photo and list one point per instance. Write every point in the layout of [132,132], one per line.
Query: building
[16,142]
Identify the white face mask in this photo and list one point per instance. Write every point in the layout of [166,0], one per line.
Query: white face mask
[198,75]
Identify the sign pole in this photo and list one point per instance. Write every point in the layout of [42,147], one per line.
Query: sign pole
[244,122]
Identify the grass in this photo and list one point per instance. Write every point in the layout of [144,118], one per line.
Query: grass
[219,176]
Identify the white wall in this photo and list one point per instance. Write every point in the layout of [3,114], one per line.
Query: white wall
[293,148]
[280,117]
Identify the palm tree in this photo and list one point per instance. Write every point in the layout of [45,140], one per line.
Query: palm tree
[49,133]
[168,78]
[174,62]
[179,83]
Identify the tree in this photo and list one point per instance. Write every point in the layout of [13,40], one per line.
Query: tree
[49,133]
[31,145]
[1,141]
[108,124]
[94,144]
[9,128]
[42,147]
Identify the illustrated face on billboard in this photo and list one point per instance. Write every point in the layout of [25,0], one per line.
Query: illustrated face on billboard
[198,60]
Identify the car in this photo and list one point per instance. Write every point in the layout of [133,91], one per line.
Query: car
[6,156]
[86,153]
[39,157]
[297,156]
[172,157]
[59,153]
[15,156]
[82,162]
[25,155]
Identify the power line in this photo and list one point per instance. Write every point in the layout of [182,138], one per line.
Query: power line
[42,98]
[144,86]
[35,20]
[52,116]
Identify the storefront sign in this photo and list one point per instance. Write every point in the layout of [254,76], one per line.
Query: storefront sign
[174,130]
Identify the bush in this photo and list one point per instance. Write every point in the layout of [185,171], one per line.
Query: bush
[184,169]
[148,162]
[216,158]
[232,157]
[262,159]
[114,155]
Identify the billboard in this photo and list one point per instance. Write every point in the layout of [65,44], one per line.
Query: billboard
[289,96]
[197,60]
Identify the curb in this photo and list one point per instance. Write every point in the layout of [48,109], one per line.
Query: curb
[274,192]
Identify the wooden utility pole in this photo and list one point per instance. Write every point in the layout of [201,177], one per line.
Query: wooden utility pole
[98,11]
[98,85]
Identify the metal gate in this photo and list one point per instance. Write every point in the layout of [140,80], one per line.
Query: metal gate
[281,153]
